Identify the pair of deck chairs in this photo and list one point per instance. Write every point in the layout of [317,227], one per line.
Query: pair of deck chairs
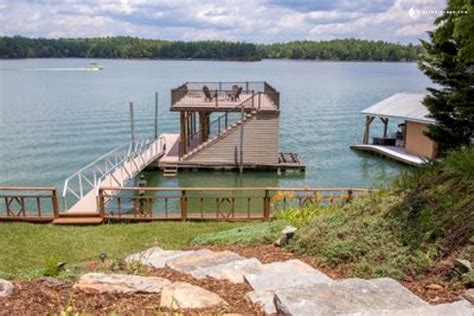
[234,95]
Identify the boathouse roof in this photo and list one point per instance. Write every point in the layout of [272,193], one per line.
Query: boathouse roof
[406,106]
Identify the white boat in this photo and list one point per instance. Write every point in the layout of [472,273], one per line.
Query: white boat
[94,67]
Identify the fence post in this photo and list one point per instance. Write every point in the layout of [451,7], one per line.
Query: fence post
[349,195]
[55,204]
[184,205]
[266,206]
[101,203]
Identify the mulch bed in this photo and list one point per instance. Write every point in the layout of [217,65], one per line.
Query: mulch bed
[39,297]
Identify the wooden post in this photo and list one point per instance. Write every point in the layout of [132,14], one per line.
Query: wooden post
[132,125]
[55,204]
[156,115]
[101,203]
[188,128]
[184,205]
[241,165]
[266,206]
[201,127]
[385,126]
[349,195]
[368,120]
[182,140]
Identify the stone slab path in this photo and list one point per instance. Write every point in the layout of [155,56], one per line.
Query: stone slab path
[287,288]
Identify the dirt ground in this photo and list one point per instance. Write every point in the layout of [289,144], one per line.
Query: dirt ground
[40,297]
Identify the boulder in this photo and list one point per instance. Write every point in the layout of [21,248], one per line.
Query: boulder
[188,264]
[182,295]
[231,271]
[121,283]
[288,233]
[280,275]
[460,308]
[347,297]
[6,288]
[469,295]
[157,258]
[463,266]
[264,299]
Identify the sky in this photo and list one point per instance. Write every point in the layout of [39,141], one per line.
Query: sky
[256,21]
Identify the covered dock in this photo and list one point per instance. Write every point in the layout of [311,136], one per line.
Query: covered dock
[409,144]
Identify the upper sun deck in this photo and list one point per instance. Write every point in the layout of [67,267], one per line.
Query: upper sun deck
[225,96]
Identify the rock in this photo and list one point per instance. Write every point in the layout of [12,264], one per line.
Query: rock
[434,287]
[182,295]
[459,308]
[157,257]
[122,283]
[469,295]
[6,288]
[278,275]
[264,299]
[204,260]
[289,231]
[51,282]
[462,265]
[347,297]
[231,271]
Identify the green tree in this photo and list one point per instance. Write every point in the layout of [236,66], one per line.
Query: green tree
[448,59]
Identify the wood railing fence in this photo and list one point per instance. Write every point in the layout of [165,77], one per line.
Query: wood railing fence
[40,204]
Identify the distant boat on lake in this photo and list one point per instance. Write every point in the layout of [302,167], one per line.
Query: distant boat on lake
[94,67]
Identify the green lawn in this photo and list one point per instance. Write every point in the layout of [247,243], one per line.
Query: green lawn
[27,247]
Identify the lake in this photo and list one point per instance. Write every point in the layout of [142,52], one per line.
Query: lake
[55,118]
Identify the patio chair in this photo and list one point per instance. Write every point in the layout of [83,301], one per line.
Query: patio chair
[207,93]
[236,91]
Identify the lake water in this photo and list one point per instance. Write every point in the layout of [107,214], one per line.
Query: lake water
[55,118]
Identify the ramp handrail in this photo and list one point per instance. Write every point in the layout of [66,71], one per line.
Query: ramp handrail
[89,177]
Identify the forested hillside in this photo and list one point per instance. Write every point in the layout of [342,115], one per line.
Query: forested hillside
[130,47]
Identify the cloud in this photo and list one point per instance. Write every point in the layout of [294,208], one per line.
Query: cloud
[250,20]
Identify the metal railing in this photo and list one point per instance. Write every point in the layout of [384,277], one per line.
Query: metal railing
[28,203]
[221,93]
[117,166]
[232,204]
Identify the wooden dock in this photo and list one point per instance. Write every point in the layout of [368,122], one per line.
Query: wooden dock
[396,153]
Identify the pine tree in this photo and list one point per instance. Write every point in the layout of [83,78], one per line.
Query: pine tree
[448,59]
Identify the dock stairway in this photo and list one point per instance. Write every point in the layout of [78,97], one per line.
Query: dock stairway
[115,168]
[170,170]
[221,133]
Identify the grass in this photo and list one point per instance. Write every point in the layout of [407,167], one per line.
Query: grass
[248,235]
[29,250]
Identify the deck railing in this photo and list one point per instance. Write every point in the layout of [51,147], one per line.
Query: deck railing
[230,204]
[36,204]
[191,93]
[40,204]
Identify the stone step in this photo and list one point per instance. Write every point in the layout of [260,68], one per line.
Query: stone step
[231,271]
[459,308]
[346,297]
[121,283]
[182,295]
[157,258]
[189,264]
[280,275]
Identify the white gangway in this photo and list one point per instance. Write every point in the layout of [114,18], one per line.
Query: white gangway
[116,168]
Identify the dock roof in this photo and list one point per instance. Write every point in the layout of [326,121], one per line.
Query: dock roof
[406,106]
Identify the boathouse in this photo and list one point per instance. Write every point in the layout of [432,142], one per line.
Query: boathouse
[226,125]
[408,144]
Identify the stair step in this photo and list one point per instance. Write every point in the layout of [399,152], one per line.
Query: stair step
[74,214]
[79,221]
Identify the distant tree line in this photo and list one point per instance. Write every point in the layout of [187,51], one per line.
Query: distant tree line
[130,47]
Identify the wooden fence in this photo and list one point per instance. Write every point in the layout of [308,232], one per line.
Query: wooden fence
[31,204]
[228,204]
[40,204]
